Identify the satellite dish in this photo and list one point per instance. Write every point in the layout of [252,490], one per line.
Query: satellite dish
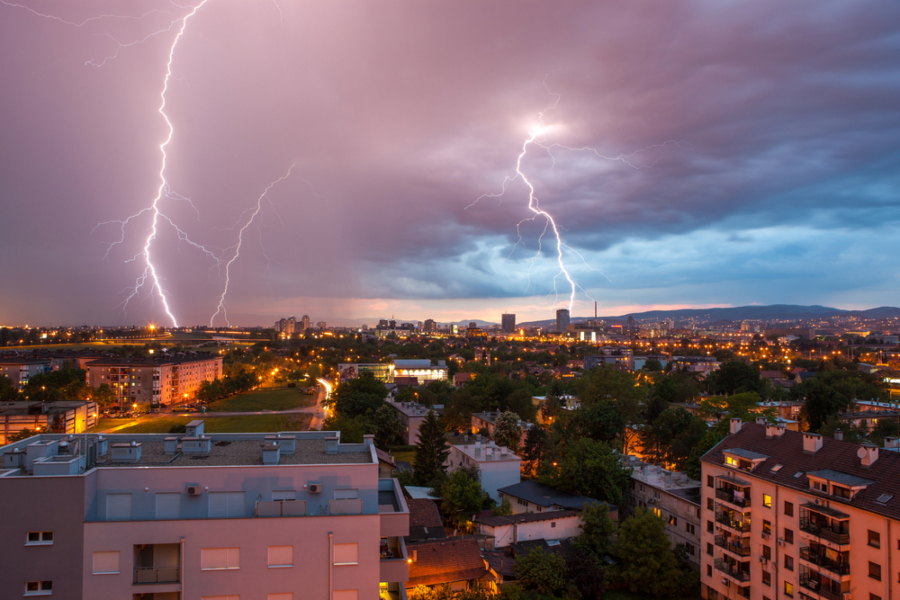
[861,452]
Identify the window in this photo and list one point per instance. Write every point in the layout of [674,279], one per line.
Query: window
[767,552]
[709,548]
[657,512]
[287,596]
[226,504]
[767,527]
[789,563]
[106,563]
[874,597]
[788,535]
[788,589]
[220,559]
[281,556]
[709,481]
[691,549]
[767,578]
[709,526]
[789,509]
[168,506]
[874,571]
[874,539]
[118,507]
[553,524]
[841,492]
[346,554]
[709,570]
[39,538]
[345,595]
[673,520]
[709,504]
[38,588]
[767,501]
[689,527]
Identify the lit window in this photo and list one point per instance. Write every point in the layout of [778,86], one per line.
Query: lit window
[767,501]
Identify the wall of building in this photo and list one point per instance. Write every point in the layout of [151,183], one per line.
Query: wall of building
[504,535]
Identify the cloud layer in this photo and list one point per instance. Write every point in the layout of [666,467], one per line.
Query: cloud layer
[696,153]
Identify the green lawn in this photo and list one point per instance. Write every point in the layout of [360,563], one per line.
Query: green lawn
[250,423]
[264,399]
[407,455]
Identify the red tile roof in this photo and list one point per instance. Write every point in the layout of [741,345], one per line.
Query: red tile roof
[423,513]
[835,455]
[445,562]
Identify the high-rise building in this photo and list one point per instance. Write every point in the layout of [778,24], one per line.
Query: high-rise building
[631,331]
[304,322]
[791,514]
[287,515]
[508,322]
[562,320]
[430,326]
[291,325]
[155,380]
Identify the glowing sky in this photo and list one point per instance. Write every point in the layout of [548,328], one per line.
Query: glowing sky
[773,174]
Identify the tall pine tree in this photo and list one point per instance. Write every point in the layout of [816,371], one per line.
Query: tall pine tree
[432,450]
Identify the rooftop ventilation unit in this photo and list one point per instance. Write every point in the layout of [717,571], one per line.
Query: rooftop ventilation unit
[196,445]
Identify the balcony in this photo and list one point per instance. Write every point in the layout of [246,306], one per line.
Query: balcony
[724,518]
[823,589]
[157,563]
[737,575]
[732,546]
[156,575]
[728,495]
[393,563]
[839,568]
[817,529]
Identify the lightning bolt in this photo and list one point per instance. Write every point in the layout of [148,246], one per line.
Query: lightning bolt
[536,138]
[237,248]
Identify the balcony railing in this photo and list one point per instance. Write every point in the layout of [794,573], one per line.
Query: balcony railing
[726,520]
[737,548]
[728,496]
[816,558]
[824,591]
[724,567]
[825,533]
[156,575]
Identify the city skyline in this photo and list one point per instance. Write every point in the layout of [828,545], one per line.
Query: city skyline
[732,159]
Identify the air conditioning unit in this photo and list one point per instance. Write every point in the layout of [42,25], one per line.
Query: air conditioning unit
[766,536]
[315,488]
[847,596]
[651,501]
[194,490]
[780,542]
[764,560]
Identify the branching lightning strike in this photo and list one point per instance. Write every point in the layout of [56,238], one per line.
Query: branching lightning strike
[536,137]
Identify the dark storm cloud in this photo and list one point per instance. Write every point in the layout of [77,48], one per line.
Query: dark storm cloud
[758,144]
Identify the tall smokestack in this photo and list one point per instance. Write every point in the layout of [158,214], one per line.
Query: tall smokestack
[595,310]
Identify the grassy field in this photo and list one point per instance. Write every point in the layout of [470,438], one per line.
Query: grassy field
[263,399]
[250,423]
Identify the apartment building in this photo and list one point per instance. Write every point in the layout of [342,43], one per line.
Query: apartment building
[284,516]
[67,416]
[154,381]
[792,515]
[20,370]
[498,466]
[673,496]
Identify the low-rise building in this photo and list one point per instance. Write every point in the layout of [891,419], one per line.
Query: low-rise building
[511,529]
[702,365]
[498,466]
[532,497]
[68,416]
[289,516]
[672,496]
[19,369]
[411,415]
[456,563]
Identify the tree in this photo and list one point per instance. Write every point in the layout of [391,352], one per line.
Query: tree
[735,376]
[585,573]
[607,383]
[590,468]
[652,365]
[507,431]
[504,509]
[600,421]
[597,529]
[670,438]
[22,434]
[542,572]
[458,413]
[648,564]
[103,395]
[358,396]
[462,495]
[352,430]
[388,428]
[535,441]
[8,391]
[432,450]
[822,401]
[551,407]
[706,443]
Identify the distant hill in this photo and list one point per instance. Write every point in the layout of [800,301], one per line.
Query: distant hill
[741,313]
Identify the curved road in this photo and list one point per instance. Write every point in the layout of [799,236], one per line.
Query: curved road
[317,411]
